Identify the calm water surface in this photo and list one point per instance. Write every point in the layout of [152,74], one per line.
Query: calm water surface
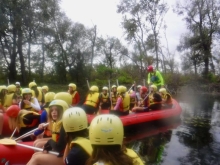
[192,140]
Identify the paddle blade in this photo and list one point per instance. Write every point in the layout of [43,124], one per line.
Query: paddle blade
[7,141]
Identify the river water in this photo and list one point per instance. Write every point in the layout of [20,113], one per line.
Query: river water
[194,139]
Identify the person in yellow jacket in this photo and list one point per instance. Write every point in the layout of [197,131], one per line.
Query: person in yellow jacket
[78,148]
[57,142]
[28,102]
[92,101]
[37,93]
[154,77]
[106,134]
[166,98]
[122,106]
[23,120]
[11,97]
[114,95]
[45,89]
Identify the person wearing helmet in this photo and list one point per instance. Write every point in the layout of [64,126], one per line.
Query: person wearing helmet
[44,119]
[37,93]
[74,93]
[18,88]
[106,134]
[154,77]
[114,95]
[105,99]
[166,98]
[23,120]
[143,102]
[92,101]
[11,97]
[45,89]
[28,102]
[138,92]
[57,142]
[78,148]
[3,90]
[123,101]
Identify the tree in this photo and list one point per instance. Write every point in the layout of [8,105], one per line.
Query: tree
[202,19]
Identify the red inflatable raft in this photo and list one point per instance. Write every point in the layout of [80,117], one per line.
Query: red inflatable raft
[141,117]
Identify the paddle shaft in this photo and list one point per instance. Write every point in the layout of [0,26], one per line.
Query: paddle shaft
[36,148]
[29,133]
[13,133]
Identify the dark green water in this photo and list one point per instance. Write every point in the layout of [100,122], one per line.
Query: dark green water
[193,140]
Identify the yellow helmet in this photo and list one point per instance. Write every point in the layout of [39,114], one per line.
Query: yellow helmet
[11,88]
[72,85]
[3,87]
[163,91]
[154,87]
[49,97]
[39,88]
[32,84]
[106,129]
[105,88]
[94,88]
[65,96]
[121,89]
[45,87]
[26,91]
[114,86]
[61,103]
[74,119]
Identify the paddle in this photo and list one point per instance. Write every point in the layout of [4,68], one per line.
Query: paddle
[13,133]
[29,133]
[13,142]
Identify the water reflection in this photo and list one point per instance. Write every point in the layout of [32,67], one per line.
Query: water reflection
[193,141]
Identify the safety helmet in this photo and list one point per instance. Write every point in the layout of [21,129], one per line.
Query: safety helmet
[49,97]
[106,129]
[39,88]
[139,86]
[17,83]
[13,111]
[3,87]
[45,87]
[154,87]
[94,88]
[163,91]
[144,89]
[32,84]
[105,88]
[150,68]
[74,119]
[61,103]
[72,85]
[65,96]
[114,86]
[11,88]
[121,89]
[26,91]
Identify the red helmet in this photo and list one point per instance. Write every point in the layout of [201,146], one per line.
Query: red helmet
[13,111]
[150,68]
[144,89]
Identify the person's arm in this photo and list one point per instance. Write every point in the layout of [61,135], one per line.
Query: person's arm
[158,74]
[119,100]
[35,105]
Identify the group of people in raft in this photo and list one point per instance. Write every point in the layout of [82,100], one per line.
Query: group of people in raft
[68,131]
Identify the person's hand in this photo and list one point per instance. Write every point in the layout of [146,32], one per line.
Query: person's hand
[41,126]
[27,102]
[134,109]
